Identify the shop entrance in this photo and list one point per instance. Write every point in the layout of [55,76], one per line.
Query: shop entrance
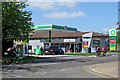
[72,48]
[76,47]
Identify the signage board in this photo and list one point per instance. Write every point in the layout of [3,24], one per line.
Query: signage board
[96,41]
[85,44]
[113,43]
[21,50]
[69,40]
[112,40]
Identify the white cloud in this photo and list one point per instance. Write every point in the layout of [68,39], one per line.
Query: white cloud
[53,0]
[73,1]
[42,5]
[67,4]
[61,15]
[51,5]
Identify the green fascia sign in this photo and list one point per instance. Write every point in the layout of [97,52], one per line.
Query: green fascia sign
[54,27]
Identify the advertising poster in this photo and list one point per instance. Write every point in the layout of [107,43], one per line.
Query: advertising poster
[85,44]
[20,50]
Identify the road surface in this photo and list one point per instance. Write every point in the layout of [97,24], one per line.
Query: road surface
[57,67]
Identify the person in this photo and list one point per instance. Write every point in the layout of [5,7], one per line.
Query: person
[12,53]
[98,51]
[104,51]
[41,49]
[65,49]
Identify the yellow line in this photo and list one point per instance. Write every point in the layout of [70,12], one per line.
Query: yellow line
[91,71]
[103,75]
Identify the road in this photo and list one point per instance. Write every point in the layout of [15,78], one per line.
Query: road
[56,67]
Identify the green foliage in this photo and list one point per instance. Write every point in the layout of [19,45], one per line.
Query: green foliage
[118,23]
[118,33]
[118,37]
[16,21]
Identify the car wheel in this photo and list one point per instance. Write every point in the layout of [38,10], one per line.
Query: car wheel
[62,53]
[53,53]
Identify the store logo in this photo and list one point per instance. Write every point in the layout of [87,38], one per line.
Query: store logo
[112,32]
[35,27]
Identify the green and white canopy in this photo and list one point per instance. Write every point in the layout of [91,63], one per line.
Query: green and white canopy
[52,28]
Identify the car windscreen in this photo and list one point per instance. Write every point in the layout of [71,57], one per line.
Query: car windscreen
[54,47]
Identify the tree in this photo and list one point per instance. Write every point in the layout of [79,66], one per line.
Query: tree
[16,21]
[118,33]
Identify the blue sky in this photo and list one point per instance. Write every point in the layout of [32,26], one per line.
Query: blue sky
[85,16]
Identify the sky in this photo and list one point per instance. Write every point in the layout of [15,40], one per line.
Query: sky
[85,16]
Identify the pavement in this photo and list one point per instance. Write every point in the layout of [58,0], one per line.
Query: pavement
[47,55]
[109,70]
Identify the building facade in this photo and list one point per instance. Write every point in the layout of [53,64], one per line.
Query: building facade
[69,41]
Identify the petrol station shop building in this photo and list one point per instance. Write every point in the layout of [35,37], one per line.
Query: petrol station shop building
[67,38]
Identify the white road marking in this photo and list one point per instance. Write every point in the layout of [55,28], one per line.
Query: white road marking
[62,69]
[44,72]
[18,76]
[94,70]
[39,73]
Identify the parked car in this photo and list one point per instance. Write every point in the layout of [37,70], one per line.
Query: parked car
[54,50]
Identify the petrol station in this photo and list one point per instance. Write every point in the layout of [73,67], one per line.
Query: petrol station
[47,42]
[68,38]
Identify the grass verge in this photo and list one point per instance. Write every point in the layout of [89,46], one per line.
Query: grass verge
[22,60]
[81,54]
[113,51]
